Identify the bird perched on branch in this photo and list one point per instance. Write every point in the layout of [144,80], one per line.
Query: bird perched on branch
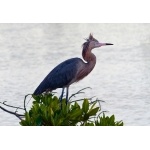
[71,70]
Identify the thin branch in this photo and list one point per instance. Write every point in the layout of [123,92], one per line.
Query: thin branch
[14,113]
[101,113]
[4,103]
[83,99]
[79,92]
[91,97]
[77,100]
[97,101]
[25,102]
[28,101]
[92,118]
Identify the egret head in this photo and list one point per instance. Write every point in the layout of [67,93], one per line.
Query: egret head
[91,43]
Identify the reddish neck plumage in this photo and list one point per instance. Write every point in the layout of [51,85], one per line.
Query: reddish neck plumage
[88,56]
[86,68]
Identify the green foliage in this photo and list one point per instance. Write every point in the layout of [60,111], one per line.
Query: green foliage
[108,121]
[48,111]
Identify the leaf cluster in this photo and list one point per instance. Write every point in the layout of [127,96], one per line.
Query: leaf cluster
[47,110]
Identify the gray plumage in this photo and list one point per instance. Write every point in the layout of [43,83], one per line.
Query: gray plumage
[61,76]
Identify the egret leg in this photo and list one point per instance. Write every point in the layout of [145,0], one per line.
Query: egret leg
[67,93]
[62,93]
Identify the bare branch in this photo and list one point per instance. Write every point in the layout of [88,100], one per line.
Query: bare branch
[4,103]
[79,92]
[101,113]
[28,101]
[25,101]
[81,100]
[77,100]
[14,113]
[98,100]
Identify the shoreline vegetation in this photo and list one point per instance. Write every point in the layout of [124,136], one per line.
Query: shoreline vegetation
[47,110]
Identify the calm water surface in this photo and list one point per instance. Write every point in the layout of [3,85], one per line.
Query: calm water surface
[121,77]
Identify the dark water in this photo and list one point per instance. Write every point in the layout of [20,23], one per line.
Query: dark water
[121,77]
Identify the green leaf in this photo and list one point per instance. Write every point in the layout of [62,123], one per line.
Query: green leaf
[85,106]
[93,105]
[51,111]
[30,113]
[112,120]
[76,105]
[76,113]
[93,111]
[39,121]
[37,98]
[52,121]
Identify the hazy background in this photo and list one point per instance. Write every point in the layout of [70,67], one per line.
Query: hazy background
[121,77]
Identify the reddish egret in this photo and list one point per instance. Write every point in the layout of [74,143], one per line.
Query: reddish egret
[71,70]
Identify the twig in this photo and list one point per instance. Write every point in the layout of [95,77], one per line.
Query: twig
[79,92]
[101,113]
[28,101]
[25,102]
[14,113]
[77,100]
[92,118]
[4,103]
[98,100]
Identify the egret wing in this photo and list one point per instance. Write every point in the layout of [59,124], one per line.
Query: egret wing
[60,76]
